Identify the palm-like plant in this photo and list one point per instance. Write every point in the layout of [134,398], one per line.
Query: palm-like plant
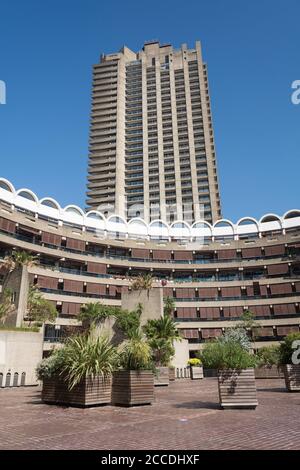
[95,312]
[143,282]
[85,356]
[169,306]
[6,305]
[161,334]
[39,309]
[135,354]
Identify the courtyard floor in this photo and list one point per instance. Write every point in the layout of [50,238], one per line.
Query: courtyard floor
[185,415]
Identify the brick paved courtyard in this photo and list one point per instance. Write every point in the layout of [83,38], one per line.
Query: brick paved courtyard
[185,415]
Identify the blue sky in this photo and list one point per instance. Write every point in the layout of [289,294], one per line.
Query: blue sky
[252,50]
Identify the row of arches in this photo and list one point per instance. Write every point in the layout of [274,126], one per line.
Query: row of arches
[137,226]
[12,380]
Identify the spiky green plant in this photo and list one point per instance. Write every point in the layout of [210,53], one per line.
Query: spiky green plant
[95,312]
[85,356]
[39,309]
[169,306]
[135,354]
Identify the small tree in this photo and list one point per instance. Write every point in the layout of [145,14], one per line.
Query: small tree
[143,282]
[169,306]
[39,309]
[6,305]
[161,334]
[95,312]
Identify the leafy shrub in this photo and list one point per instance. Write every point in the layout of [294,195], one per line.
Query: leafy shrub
[82,356]
[194,362]
[135,354]
[226,355]
[237,335]
[50,366]
[268,355]
[286,349]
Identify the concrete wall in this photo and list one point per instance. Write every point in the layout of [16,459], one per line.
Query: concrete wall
[20,352]
[151,300]
[181,353]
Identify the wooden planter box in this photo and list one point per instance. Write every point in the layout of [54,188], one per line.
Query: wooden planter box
[196,372]
[172,374]
[132,387]
[268,372]
[91,391]
[292,377]
[161,376]
[237,388]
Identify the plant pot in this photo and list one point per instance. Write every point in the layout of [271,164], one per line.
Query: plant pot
[89,392]
[268,372]
[196,372]
[132,387]
[237,388]
[292,377]
[161,376]
[172,374]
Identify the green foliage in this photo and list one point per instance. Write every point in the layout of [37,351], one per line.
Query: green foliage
[82,356]
[286,348]
[194,362]
[129,321]
[50,366]
[135,354]
[169,306]
[161,333]
[85,356]
[143,282]
[28,329]
[268,355]
[238,335]
[6,305]
[226,355]
[38,308]
[23,258]
[96,313]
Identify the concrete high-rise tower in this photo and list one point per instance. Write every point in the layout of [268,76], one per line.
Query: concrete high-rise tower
[152,151]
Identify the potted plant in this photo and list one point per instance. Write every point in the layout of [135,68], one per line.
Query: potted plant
[161,333]
[196,368]
[289,358]
[268,360]
[79,374]
[235,365]
[133,384]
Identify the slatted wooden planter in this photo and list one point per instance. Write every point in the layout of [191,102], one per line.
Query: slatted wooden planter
[90,392]
[132,387]
[161,376]
[172,374]
[196,372]
[237,388]
[268,372]
[292,377]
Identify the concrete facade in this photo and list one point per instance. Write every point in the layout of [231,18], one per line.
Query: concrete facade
[152,152]
[20,353]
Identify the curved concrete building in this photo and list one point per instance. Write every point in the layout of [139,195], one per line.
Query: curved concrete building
[213,272]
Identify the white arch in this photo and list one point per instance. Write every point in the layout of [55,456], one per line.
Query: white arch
[272,218]
[249,228]
[54,203]
[201,228]
[137,226]
[33,197]
[158,228]
[290,212]
[73,209]
[98,214]
[227,231]
[117,224]
[8,185]
[180,228]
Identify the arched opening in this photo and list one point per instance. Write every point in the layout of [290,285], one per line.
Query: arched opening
[16,379]
[7,379]
[23,378]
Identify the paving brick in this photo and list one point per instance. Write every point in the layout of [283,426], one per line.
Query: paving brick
[185,415]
